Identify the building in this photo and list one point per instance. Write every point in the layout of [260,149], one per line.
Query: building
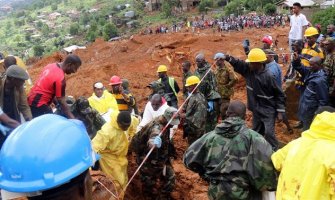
[288,4]
[327,4]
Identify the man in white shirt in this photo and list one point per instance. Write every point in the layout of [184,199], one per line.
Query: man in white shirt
[298,23]
[154,108]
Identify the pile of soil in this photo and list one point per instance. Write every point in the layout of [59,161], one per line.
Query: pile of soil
[137,58]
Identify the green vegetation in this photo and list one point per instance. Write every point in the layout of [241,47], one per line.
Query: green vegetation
[43,26]
[324,18]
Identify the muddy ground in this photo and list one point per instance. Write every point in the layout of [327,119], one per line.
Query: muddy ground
[137,58]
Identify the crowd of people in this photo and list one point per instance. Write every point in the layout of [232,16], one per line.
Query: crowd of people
[226,23]
[49,155]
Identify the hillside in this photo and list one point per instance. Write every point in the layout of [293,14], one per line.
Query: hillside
[43,27]
[136,59]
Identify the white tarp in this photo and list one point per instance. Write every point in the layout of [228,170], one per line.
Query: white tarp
[72,48]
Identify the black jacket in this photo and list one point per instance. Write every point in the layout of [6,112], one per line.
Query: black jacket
[264,95]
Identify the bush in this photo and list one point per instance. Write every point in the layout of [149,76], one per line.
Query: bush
[109,31]
[234,7]
[324,18]
[205,5]
[270,9]
[74,29]
[38,50]
[54,7]
[166,8]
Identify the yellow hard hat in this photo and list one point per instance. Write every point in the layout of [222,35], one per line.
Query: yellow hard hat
[311,31]
[256,55]
[162,68]
[192,80]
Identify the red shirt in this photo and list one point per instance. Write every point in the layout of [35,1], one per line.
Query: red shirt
[50,84]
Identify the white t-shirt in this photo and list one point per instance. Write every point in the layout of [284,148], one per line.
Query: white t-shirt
[149,114]
[296,23]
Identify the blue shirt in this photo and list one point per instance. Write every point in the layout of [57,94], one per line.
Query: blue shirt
[275,69]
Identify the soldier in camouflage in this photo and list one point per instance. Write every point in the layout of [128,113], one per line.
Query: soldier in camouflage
[158,166]
[235,160]
[195,111]
[208,89]
[89,116]
[186,67]
[329,66]
[226,80]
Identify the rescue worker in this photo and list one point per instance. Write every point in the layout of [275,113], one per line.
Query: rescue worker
[329,66]
[157,87]
[154,108]
[311,49]
[208,88]
[112,142]
[315,91]
[51,84]
[171,87]
[276,71]
[195,111]
[226,80]
[13,98]
[266,99]
[47,162]
[124,101]
[89,116]
[125,86]
[186,67]
[233,159]
[267,45]
[101,100]
[158,167]
[13,60]
[306,164]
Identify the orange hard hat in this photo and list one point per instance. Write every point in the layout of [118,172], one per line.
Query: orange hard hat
[115,80]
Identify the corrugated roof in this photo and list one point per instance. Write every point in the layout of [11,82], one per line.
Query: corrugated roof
[304,3]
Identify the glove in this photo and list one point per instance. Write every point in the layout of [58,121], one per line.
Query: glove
[210,106]
[158,142]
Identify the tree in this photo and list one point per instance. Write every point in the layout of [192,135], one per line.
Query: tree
[74,28]
[109,31]
[45,30]
[38,50]
[234,7]
[54,7]
[167,8]
[205,5]
[39,24]
[324,18]
[84,19]
[270,9]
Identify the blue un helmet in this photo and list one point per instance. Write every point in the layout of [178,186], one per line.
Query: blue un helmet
[45,153]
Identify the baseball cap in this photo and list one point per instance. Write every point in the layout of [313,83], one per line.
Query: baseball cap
[168,114]
[98,85]
[15,71]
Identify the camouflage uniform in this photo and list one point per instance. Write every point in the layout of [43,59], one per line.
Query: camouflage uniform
[185,76]
[208,88]
[195,121]
[225,79]
[158,165]
[329,66]
[235,160]
[89,116]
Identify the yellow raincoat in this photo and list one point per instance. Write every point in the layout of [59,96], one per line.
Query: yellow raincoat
[307,164]
[103,104]
[112,144]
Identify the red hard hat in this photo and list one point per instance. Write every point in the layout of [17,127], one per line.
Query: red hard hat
[267,40]
[115,80]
